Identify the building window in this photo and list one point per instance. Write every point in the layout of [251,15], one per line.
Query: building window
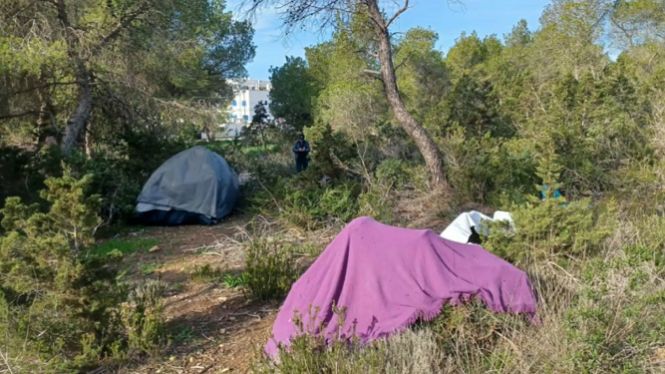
[234,103]
[246,118]
[244,103]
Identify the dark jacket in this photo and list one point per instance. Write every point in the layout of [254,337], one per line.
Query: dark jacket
[301,148]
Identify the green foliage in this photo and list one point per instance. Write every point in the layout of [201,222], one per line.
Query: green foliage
[307,200]
[64,301]
[618,318]
[293,89]
[232,280]
[124,245]
[551,229]
[473,106]
[348,98]
[270,269]
[207,273]
[422,77]
[473,331]
[152,63]
[328,147]
[148,268]
[142,318]
[313,206]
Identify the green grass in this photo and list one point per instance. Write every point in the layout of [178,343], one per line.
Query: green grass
[149,268]
[183,334]
[254,151]
[207,273]
[123,245]
[232,280]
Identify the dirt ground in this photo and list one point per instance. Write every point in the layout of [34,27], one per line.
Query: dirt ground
[213,328]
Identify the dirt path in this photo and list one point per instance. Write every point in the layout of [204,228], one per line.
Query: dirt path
[214,328]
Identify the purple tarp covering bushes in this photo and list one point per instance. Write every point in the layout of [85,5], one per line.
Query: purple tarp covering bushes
[386,278]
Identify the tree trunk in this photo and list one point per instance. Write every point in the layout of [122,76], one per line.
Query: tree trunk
[45,119]
[78,120]
[424,142]
[4,94]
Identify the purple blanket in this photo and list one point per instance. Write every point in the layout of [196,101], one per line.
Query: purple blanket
[388,277]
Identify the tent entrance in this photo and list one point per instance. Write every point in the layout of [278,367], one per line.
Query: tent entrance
[174,217]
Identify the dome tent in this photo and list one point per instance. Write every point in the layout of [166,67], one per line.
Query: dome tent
[194,186]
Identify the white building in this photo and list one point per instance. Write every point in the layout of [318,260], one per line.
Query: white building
[246,94]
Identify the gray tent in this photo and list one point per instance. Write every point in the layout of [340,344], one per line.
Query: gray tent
[194,186]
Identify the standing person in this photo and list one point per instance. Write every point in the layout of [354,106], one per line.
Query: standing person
[301,150]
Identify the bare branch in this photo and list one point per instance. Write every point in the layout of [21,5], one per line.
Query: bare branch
[399,12]
[45,85]
[6,361]
[22,114]
[20,10]
[373,73]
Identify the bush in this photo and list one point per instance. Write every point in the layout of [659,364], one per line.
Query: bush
[617,321]
[63,300]
[408,352]
[490,170]
[313,207]
[301,202]
[270,269]
[461,338]
[142,318]
[552,229]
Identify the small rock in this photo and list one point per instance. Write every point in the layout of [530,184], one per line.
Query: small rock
[154,248]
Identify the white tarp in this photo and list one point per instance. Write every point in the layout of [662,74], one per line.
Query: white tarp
[459,229]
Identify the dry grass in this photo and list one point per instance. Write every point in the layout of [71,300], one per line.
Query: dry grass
[597,314]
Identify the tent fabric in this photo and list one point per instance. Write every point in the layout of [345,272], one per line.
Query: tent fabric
[387,278]
[195,185]
[467,224]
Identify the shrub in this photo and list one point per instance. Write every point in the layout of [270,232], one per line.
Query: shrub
[142,318]
[270,269]
[617,321]
[62,299]
[486,169]
[552,229]
[408,352]
[306,204]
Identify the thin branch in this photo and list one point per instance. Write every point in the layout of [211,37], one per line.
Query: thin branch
[403,62]
[124,22]
[22,114]
[337,162]
[19,10]
[45,85]
[398,13]
[373,73]
[6,360]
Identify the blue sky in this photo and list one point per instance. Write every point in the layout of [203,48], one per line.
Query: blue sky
[448,18]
